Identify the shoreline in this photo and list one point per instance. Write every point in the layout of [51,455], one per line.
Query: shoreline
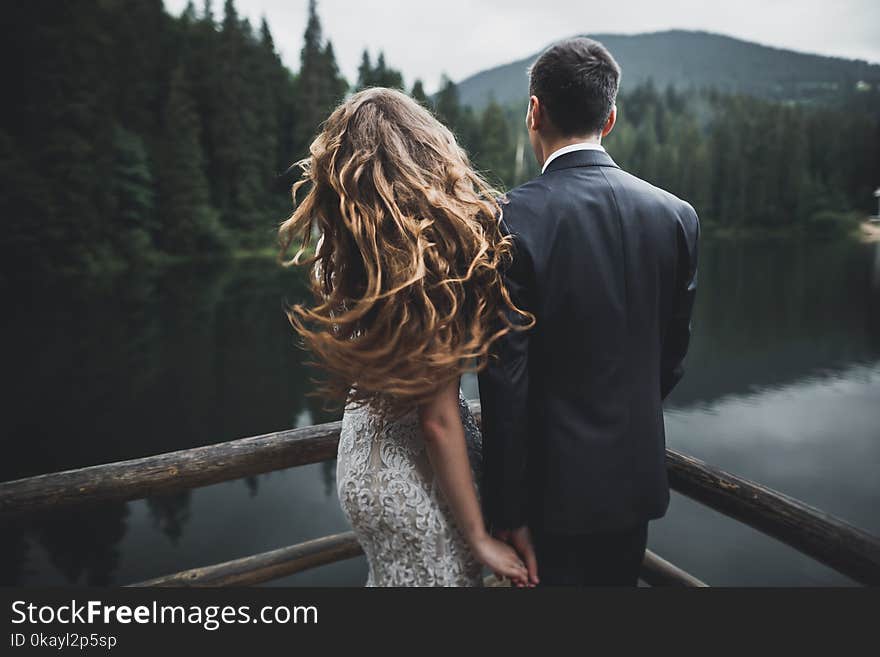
[869,232]
[865,232]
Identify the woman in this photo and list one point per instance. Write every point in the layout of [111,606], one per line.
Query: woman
[408,297]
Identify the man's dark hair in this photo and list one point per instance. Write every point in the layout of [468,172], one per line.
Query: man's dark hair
[577,81]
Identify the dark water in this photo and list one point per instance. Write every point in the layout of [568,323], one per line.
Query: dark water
[783,387]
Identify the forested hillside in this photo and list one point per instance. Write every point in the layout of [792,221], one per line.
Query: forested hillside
[697,60]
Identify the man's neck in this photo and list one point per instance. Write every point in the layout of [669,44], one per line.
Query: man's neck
[550,146]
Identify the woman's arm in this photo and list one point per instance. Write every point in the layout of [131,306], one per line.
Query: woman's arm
[440,421]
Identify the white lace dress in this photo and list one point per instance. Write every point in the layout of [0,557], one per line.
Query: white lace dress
[388,491]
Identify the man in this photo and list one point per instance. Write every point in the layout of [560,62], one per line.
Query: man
[574,445]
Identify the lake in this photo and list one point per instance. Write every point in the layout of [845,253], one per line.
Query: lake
[782,387]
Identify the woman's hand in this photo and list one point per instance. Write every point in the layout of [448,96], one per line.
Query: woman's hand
[501,559]
[440,422]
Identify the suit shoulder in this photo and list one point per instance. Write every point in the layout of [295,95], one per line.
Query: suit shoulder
[521,204]
[648,193]
[527,194]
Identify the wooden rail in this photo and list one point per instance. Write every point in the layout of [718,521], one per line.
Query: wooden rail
[820,535]
[827,539]
[264,567]
[656,571]
[172,471]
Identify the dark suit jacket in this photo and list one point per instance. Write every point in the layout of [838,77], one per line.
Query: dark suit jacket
[573,436]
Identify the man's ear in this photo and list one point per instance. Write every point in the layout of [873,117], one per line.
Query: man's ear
[533,116]
[609,124]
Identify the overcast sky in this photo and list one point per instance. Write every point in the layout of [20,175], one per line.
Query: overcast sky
[425,38]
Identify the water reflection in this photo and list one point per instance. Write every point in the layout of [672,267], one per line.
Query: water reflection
[817,439]
[782,387]
[770,314]
[170,513]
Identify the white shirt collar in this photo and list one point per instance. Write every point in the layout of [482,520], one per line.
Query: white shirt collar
[583,146]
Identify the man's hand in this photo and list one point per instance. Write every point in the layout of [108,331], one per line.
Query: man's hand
[521,540]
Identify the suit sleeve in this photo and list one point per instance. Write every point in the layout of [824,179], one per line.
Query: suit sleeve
[678,331]
[504,399]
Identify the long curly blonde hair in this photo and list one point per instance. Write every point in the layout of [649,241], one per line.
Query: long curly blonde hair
[407,271]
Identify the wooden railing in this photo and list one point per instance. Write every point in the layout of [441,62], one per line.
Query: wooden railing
[267,566]
[827,539]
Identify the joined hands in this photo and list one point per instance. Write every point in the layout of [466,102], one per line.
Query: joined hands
[516,544]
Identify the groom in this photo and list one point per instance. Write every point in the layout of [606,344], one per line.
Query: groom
[574,447]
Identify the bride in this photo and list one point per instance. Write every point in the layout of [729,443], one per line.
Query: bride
[408,296]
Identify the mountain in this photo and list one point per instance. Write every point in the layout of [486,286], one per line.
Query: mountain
[695,59]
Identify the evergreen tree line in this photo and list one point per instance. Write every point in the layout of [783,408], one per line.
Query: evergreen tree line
[133,135]
[749,164]
[746,164]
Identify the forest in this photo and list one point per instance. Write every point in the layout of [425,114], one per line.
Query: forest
[132,137]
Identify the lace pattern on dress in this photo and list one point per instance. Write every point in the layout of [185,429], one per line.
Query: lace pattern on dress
[389,494]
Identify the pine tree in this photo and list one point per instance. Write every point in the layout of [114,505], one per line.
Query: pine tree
[235,129]
[495,153]
[446,103]
[138,64]
[188,17]
[189,223]
[379,75]
[68,112]
[200,56]
[385,76]
[319,86]
[277,103]
[208,13]
[335,85]
[134,196]
[365,72]
[418,93]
